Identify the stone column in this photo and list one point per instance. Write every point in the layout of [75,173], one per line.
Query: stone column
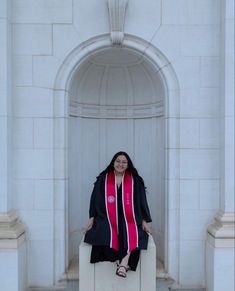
[12,232]
[220,236]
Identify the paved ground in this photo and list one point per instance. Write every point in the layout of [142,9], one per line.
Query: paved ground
[162,285]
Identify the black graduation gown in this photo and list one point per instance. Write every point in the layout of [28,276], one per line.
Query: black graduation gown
[99,234]
[105,253]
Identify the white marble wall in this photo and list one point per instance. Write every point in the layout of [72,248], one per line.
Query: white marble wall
[13,265]
[221,277]
[34,72]
[188,33]
[192,29]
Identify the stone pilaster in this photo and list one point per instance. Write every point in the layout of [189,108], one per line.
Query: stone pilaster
[220,234]
[12,232]
[13,263]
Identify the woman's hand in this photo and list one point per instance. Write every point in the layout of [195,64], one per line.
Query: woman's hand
[89,224]
[146,227]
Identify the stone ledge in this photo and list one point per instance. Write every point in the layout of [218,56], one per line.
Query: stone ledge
[220,242]
[12,243]
[11,230]
[194,289]
[176,287]
[8,218]
[222,230]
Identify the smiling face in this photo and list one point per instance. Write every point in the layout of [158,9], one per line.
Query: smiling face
[120,164]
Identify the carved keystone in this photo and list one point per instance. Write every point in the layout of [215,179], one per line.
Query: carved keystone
[117,11]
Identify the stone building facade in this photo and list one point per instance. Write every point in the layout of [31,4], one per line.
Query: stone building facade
[80,80]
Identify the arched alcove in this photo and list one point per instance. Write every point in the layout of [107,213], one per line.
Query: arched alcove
[108,99]
[116,103]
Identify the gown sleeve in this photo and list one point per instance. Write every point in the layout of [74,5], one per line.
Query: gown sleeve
[93,200]
[144,205]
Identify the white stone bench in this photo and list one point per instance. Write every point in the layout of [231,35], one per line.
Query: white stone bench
[101,276]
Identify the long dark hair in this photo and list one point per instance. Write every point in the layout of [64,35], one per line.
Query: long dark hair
[130,167]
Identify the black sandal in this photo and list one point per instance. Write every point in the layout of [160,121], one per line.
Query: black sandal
[121,273]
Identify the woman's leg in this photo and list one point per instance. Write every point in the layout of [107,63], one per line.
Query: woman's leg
[123,266]
[130,260]
[125,260]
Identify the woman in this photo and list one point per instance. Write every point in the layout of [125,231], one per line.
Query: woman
[119,213]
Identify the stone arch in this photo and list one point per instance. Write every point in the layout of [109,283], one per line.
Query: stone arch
[61,112]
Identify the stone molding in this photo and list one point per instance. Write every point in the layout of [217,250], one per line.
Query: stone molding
[10,226]
[119,112]
[117,12]
[178,287]
[7,218]
[12,243]
[221,233]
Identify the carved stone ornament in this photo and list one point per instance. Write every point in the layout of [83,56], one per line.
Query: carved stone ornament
[117,11]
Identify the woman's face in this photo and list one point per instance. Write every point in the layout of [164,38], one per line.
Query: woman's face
[120,164]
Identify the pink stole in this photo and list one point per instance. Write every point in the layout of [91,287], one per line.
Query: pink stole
[128,210]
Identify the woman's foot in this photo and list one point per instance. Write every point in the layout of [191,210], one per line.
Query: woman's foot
[123,267]
[122,271]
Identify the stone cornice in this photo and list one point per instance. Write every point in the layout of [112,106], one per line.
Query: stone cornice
[221,233]
[11,232]
[12,243]
[8,218]
[10,227]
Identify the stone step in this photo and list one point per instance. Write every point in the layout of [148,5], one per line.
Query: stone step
[65,286]
[175,287]
[162,285]
[203,289]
